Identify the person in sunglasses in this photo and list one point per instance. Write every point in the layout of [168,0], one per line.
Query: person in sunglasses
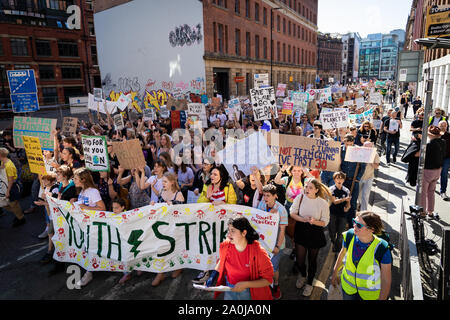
[366,260]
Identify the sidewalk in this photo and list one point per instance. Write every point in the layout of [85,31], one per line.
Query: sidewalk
[387,192]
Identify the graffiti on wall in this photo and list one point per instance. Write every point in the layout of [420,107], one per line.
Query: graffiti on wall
[156,98]
[186,35]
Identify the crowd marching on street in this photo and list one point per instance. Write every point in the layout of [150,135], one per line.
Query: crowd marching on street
[307,200]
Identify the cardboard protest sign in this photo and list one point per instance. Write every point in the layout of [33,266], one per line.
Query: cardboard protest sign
[306,152]
[196,108]
[281,90]
[239,157]
[34,127]
[359,103]
[287,108]
[312,110]
[34,155]
[129,153]
[95,152]
[215,102]
[360,154]
[263,101]
[148,114]
[334,119]
[176,105]
[156,238]
[69,127]
[118,122]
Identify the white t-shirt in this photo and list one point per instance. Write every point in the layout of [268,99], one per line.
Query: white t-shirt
[89,197]
[223,119]
[184,177]
[158,187]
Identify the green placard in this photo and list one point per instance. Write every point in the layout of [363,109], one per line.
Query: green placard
[95,151]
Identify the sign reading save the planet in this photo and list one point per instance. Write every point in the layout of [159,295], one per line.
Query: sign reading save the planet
[95,153]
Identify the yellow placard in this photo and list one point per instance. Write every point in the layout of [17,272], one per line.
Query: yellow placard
[34,154]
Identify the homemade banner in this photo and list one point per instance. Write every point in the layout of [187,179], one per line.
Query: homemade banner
[239,157]
[34,155]
[149,114]
[263,101]
[261,80]
[157,238]
[95,153]
[98,94]
[34,127]
[129,153]
[69,127]
[306,152]
[334,119]
[118,122]
[287,108]
[360,154]
[196,109]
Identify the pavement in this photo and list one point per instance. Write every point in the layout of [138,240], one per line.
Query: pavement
[23,277]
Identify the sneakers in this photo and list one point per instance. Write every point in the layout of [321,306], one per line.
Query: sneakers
[300,282]
[202,277]
[46,258]
[17,222]
[444,196]
[44,234]
[308,290]
[85,280]
[276,292]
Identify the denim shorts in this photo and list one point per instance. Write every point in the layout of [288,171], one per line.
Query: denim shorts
[276,261]
[229,295]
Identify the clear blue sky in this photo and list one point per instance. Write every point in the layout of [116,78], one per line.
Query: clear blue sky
[363,16]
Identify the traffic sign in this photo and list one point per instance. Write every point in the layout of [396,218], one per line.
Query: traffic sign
[22,84]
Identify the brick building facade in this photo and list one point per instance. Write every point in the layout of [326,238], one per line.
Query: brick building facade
[34,34]
[238,43]
[329,62]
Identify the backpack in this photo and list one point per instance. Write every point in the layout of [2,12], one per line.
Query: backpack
[381,250]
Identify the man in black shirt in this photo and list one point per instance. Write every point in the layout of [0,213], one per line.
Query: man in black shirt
[417,125]
[417,104]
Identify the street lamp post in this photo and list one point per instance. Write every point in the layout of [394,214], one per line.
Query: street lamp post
[271,42]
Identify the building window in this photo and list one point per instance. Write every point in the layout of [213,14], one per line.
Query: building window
[43,48]
[220,37]
[53,4]
[237,5]
[247,9]
[46,72]
[50,95]
[289,28]
[221,3]
[257,47]
[247,44]
[215,36]
[70,72]
[19,47]
[278,51]
[284,52]
[73,92]
[68,49]
[1,47]
[284,25]
[91,28]
[278,23]
[256,11]
[289,53]
[265,16]
[293,55]
[237,42]
[265,48]
[94,55]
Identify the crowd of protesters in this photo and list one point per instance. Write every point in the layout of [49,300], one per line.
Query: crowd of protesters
[315,200]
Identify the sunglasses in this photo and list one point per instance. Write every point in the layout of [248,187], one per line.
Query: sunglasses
[357,224]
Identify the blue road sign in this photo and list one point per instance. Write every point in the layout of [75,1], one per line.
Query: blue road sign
[22,84]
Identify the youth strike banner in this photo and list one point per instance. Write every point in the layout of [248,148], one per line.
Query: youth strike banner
[157,238]
[310,153]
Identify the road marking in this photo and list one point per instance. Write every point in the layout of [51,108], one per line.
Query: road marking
[36,245]
[30,253]
[319,283]
[5,265]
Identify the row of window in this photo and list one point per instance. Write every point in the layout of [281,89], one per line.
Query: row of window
[307,13]
[66,48]
[289,54]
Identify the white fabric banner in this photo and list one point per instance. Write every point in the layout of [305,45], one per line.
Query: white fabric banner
[157,238]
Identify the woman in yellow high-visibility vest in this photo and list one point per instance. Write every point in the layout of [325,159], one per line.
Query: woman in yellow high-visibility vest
[366,261]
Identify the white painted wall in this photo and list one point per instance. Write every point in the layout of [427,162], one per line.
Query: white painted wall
[135,51]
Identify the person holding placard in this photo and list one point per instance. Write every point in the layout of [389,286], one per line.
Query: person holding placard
[367,179]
